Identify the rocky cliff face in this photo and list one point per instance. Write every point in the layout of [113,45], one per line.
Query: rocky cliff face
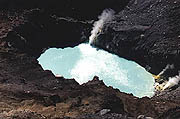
[27,91]
[146,32]
[79,9]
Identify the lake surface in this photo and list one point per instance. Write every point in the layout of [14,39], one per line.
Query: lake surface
[83,62]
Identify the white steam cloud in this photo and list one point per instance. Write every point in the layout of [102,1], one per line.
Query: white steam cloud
[168,66]
[172,82]
[106,16]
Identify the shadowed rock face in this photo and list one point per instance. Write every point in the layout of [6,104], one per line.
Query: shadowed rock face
[41,30]
[80,9]
[146,32]
[52,23]
[27,91]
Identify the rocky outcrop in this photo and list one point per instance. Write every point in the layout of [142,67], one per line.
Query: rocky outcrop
[27,91]
[146,32]
[79,9]
[39,30]
[39,24]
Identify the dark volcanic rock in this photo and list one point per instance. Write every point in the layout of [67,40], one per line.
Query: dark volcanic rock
[171,114]
[41,30]
[81,9]
[27,91]
[146,31]
[25,86]
[106,116]
[37,24]
[14,114]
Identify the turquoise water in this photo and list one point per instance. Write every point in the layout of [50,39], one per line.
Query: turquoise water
[83,62]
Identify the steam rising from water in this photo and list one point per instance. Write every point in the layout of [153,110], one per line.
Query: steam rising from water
[172,82]
[83,62]
[93,62]
[106,16]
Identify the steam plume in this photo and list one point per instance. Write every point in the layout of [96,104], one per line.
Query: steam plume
[106,16]
[172,82]
[168,66]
